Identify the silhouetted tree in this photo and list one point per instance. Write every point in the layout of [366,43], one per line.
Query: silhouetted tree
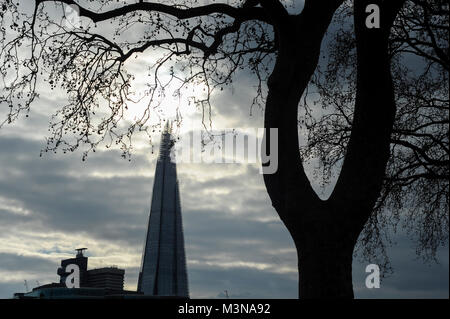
[208,44]
[415,189]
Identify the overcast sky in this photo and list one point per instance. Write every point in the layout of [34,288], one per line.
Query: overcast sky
[234,239]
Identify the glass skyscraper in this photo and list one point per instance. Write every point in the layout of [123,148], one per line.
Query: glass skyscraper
[163,269]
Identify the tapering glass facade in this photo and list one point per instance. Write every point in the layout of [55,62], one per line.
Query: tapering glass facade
[163,269]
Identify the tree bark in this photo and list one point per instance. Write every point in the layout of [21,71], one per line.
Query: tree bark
[325,232]
[325,268]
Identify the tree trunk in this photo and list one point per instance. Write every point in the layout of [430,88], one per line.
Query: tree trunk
[325,232]
[325,271]
[325,241]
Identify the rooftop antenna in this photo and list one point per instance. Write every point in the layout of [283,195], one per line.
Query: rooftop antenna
[80,252]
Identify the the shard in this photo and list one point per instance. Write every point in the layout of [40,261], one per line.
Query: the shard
[163,269]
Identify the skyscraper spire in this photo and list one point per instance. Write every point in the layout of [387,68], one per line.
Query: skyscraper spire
[163,269]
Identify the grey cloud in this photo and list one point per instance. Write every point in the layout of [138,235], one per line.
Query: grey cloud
[412,278]
[67,203]
[241,283]
[13,262]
